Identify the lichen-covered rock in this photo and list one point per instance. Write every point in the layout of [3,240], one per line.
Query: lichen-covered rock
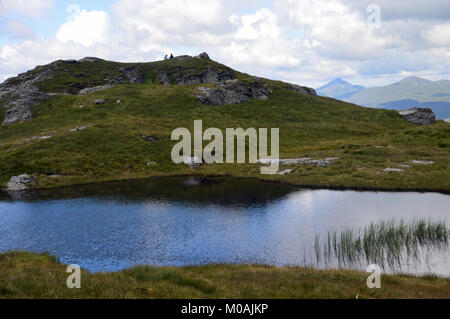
[39,138]
[203,55]
[20,94]
[423,162]
[178,75]
[393,170]
[192,162]
[90,59]
[301,89]
[79,128]
[133,74]
[419,116]
[19,183]
[98,101]
[95,89]
[286,171]
[302,160]
[233,92]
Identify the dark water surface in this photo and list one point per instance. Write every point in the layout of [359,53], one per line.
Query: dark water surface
[186,221]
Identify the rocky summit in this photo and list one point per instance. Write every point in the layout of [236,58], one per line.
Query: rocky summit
[20,94]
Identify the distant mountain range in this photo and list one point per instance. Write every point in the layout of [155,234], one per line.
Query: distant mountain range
[409,92]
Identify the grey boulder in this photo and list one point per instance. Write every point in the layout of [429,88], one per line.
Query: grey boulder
[203,55]
[19,183]
[178,76]
[95,89]
[301,89]
[98,101]
[418,116]
[233,92]
[395,170]
[302,160]
[21,95]
[192,162]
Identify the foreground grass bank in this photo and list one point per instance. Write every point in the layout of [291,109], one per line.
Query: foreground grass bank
[27,275]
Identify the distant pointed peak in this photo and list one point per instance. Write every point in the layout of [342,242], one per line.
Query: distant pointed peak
[414,79]
[338,80]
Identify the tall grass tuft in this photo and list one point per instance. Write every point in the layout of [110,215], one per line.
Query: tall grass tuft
[385,243]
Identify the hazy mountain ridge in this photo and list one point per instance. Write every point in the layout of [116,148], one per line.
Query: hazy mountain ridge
[409,92]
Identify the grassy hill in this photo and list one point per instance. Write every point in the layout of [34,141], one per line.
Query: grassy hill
[112,147]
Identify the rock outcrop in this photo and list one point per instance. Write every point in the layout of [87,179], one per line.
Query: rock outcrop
[192,162]
[187,76]
[98,101]
[393,170]
[419,116]
[301,89]
[79,128]
[90,59]
[423,162]
[203,55]
[233,92]
[95,89]
[133,74]
[19,183]
[302,160]
[18,95]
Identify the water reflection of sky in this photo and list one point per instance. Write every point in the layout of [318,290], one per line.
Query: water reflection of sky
[104,234]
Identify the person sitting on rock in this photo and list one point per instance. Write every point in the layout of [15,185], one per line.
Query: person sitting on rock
[165,57]
[171,56]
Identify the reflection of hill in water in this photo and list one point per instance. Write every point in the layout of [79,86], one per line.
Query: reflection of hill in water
[199,190]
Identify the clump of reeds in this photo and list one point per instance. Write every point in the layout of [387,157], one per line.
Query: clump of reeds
[383,243]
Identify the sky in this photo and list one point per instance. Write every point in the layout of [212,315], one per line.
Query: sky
[307,42]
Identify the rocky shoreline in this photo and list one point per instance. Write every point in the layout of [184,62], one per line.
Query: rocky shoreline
[20,194]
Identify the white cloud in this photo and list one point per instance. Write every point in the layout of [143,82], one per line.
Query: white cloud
[333,29]
[439,34]
[179,22]
[86,28]
[259,42]
[33,8]
[301,41]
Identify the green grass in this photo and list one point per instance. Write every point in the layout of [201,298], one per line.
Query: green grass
[113,149]
[385,243]
[27,275]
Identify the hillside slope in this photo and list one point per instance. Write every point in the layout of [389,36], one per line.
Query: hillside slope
[123,129]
